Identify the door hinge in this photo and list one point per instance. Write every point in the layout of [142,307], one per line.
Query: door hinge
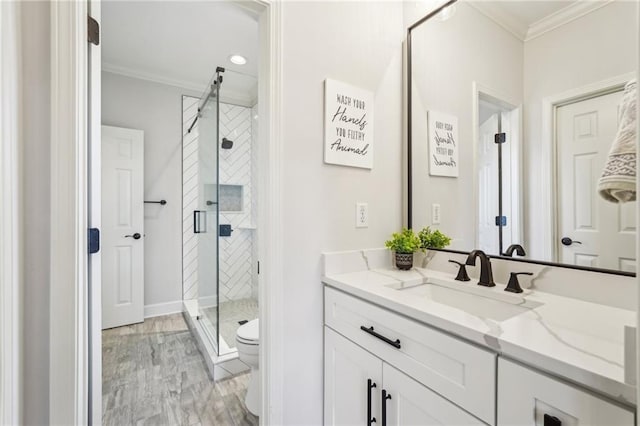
[93,30]
[501,221]
[94,240]
[500,138]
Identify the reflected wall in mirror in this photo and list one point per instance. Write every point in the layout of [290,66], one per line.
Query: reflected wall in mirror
[538,90]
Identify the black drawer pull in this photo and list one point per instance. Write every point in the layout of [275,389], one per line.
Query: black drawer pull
[550,420]
[370,385]
[395,344]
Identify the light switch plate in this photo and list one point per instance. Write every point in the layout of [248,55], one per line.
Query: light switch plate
[362,215]
[435,214]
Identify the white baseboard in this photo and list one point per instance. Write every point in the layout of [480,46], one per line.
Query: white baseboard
[207,301]
[159,309]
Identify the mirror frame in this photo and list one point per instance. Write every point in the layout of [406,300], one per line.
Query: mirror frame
[410,171]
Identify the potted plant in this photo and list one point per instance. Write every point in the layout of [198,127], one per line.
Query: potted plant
[430,239]
[404,244]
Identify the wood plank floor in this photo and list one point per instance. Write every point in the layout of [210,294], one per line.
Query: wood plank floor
[153,374]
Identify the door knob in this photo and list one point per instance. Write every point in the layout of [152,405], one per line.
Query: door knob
[135,236]
[568,241]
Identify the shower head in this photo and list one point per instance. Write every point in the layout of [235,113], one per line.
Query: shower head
[226,143]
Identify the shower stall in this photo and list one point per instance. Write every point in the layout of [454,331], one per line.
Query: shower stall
[219,206]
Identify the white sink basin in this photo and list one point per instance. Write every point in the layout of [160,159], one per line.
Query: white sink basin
[484,302]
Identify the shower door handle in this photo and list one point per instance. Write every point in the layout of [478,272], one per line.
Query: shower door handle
[199,221]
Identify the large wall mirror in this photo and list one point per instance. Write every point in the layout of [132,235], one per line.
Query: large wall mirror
[514,107]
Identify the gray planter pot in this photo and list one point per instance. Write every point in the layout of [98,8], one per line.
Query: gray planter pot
[404,261]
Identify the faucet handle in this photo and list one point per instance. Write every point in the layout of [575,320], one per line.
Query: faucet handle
[514,286]
[462,272]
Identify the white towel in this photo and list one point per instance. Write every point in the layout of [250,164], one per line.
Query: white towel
[618,181]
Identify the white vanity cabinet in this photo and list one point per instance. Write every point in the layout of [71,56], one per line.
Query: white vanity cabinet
[436,378]
[454,373]
[527,397]
[361,389]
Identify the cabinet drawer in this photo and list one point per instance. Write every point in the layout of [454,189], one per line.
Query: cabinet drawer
[526,396]
[461,372]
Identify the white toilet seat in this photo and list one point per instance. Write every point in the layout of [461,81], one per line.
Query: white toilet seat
[249,332]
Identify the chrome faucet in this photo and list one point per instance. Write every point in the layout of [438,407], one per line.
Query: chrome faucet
[486,275]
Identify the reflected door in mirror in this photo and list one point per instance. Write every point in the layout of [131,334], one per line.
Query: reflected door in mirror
[602,233]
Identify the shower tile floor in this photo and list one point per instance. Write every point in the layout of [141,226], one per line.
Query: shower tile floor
[231,312]
[154,374]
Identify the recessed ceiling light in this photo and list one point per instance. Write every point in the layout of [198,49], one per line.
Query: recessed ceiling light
[238,59]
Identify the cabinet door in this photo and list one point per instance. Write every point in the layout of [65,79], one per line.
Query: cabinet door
[347,371]
[412,404]
[526,397]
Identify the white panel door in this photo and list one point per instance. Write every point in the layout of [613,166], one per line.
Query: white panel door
[347,372]
[603,233]
[528,398]
[408,403]
[122,226]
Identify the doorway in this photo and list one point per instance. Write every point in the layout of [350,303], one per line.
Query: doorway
[155,367]
[76,383]
[498,173]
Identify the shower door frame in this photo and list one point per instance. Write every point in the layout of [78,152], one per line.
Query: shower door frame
[75,374]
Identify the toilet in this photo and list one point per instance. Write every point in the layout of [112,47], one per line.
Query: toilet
[248,344]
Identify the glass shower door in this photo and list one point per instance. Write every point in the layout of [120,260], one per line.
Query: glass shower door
[205,217]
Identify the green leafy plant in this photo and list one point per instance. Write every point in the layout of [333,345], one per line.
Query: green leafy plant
[432,239]
[403,242]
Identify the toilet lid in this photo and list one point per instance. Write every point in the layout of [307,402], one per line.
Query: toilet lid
[249,331]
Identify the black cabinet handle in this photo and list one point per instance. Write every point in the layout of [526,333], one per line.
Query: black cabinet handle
[370,385]
[550,420]
[385,396]
[395,344]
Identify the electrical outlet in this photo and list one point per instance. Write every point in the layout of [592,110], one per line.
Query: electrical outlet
[435,214]
[362,215]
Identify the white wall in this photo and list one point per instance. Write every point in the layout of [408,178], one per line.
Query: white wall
[448,57]
[598,46]
[156,109]
[37,208]
[359,43]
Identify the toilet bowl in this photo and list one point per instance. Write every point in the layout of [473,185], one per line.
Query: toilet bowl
[248,344]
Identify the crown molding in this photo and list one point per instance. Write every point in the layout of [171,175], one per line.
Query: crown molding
[525,32]
[252,8]
[229,96]
[562,17]
[504,19]
[155,78]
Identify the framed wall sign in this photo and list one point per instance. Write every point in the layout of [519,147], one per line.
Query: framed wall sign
[348,127]
[443,144]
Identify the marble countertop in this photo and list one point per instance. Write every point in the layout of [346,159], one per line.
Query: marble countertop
[580,341]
